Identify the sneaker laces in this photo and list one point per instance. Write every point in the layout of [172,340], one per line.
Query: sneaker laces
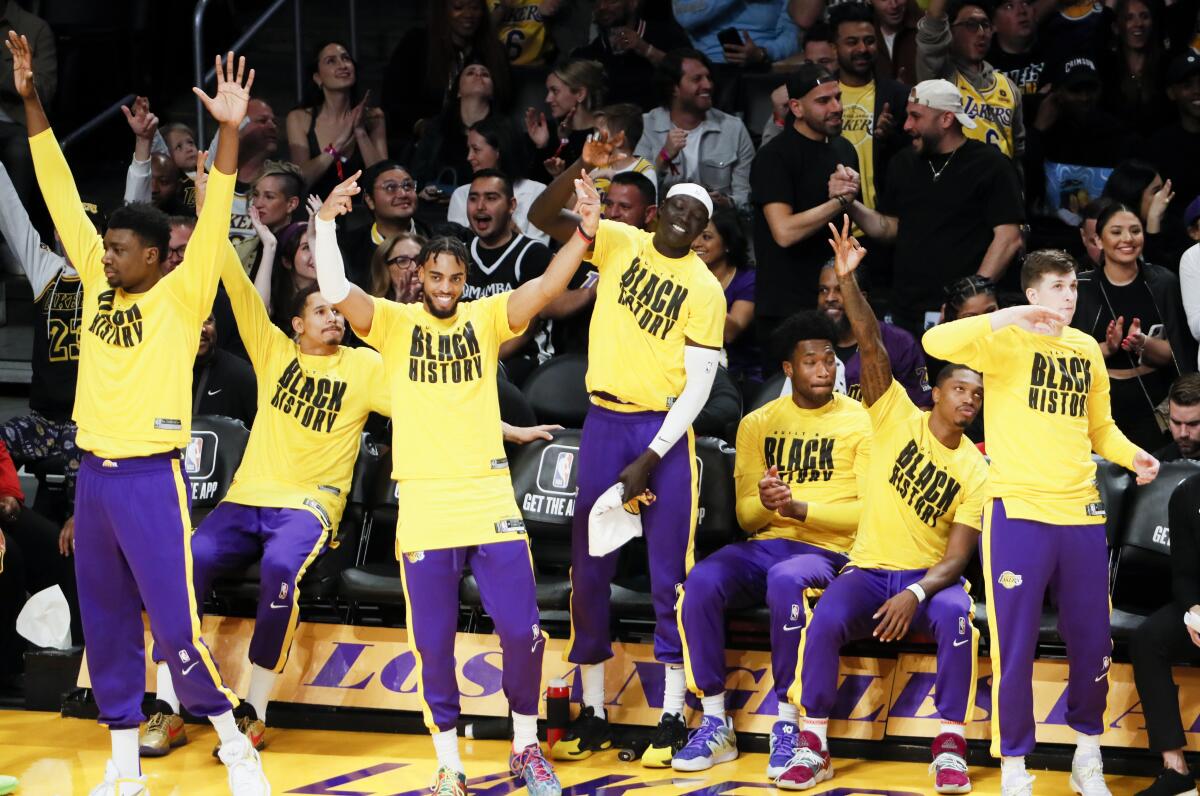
[1019,786]
[444,782]
[531,760]
[667,731]
[705,733]
[808,757]
[784,744]
[156,722]
[948,760]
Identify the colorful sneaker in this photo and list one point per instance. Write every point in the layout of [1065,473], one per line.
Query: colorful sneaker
[164,731]
[246,777]
[1087,774]
[669,737]
[448,782]
[783,746]
[250,725]
[949,766]
[1168,783]
[114,782]
[710,744]
[531,766]
[586,734]
[809,766]
[8,784]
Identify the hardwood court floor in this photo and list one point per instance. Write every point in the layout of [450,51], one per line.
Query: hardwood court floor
[54,756]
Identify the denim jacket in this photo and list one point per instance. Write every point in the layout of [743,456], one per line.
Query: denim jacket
[726,153]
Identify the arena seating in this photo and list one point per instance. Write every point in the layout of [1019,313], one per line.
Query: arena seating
[556,390]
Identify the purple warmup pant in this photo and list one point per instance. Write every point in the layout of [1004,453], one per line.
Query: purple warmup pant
[1021,560]
[504,572]
[846,612]
[610,442]
[131,548]
[234,536]
[783,572]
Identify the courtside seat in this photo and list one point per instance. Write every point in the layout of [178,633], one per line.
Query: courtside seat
[1115,484]
[210,460]
[557,391]
[769,391]
[375,577]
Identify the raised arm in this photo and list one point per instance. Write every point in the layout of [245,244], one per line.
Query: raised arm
[876,375]
[548,212]
[38,262]
[254,325]
[532,297]
[144,125]
[351,300]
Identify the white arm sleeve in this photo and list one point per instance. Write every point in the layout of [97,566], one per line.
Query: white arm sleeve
[700,368]
[331,274]
[137,181]
[1189,286]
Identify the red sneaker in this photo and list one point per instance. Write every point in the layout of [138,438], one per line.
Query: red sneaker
[809,766]
[949,766]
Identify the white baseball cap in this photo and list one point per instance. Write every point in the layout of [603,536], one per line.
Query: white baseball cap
[610,523]
[941,95]
[697,192]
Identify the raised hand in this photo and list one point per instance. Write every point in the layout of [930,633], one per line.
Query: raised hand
[587,204]
[22,55]
[554,166]
[676,141]
[847,251]
[599,147]
[884,122]
[536,127]
[1114,334]
[228,106]
[313,204]
[262,230]
[1158,205]
[142,122]
[201,179]
[339,199]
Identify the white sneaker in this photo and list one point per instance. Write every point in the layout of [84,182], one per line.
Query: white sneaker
[246,777]
[1087,775]
[1019,783]
[116,785]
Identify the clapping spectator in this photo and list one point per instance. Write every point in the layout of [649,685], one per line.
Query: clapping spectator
[724,249]
[689,140]
[441,156]
[493,144]
[395,269]
[335,133]
[574,91]
[629,47]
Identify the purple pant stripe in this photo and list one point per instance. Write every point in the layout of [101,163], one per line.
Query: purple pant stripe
[741,575]
[504,572]
[845,613]
[1022,559]
[610,442]
[130,552]
[287,541]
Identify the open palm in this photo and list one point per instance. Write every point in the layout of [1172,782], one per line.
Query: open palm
[232,96]
[587,203]
[22,55]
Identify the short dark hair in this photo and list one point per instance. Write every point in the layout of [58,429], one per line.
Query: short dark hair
[147,222]
[444,244]
[300,300]
[803,325]
[955,6]
[371,173]
[1185,390]
[624,117]
[958,291]
[820,31]
[1045,261]
[640,181]
[845,13]
[487,174]
[949,369]
[670,70]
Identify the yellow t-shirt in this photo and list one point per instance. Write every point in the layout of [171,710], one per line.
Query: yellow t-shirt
[602,178]
[993,110]
[822,454]
[1046,400]
[916,488]
[523,33]
[311,411]
[136,351]
[445,407]
[647,305]
[858,127]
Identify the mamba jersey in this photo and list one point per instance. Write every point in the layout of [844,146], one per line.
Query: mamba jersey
[442,371]
[136,350]
[647,306]
[822,454]
[993,109]
[311,412]
[858,127]
[1050,394]
[56,346]
[523,33]
[916,488]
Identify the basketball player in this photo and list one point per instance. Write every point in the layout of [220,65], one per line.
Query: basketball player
[133,410]
[656,334]
[456,497]
[800,468]
[287,498]
[919,528]
[1044,523]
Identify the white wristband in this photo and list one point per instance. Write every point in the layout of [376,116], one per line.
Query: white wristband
[918,592]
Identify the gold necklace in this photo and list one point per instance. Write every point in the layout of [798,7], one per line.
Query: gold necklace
[938,172]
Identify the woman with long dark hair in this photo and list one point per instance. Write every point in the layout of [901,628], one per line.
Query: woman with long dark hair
[441,156]
[1133,72]
[723,248]
[335,134]
[1138,185]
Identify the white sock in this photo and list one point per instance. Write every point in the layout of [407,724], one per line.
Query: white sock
[1012,766]
[262,682]
[819,728]
[789,713]
[524,731]
[593,687]
[1087,745]
[714,705]
[675,691]
[165,690]
[445,743]
[125,753]
[226,727]
[954,728]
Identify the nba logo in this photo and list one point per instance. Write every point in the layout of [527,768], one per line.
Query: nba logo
[562,469]
[795,612]
[191,457]
[537,632]
[283,591]
[183,656]
[962,626]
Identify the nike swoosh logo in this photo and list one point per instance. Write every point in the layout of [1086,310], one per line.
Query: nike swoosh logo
[787,628]
[213,392]
[285,605]
[1101,677]
[961,641]
[535,645]
[189,667]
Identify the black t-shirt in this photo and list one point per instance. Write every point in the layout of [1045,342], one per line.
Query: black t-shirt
[1085,35]
[945,224]
[1026,70]
[794,170]
[225,385]
[499,270]
[631,77]
[56,347]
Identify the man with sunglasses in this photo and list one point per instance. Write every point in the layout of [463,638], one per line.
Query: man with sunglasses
[390,193]
[953,39]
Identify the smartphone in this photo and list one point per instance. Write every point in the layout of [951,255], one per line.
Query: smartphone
[730,37]
[1156,331]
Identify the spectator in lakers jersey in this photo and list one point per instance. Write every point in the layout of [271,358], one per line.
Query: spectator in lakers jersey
[521,25]
[953,39]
